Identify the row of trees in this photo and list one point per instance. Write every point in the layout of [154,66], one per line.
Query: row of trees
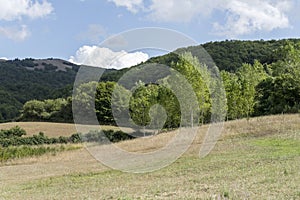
[253,90]
[258,89]
[153,104]
[20,83]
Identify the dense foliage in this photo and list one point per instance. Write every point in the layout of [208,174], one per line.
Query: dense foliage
[57,110]
[230,55]
[23,80]
[18,84]
[260,78]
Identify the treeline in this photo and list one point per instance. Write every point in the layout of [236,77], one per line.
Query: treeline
[260,78]
[252,90]
[142,103]
[230,55]
[257,89]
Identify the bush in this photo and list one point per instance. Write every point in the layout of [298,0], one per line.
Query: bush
[13,137]
[103,135]
[13,132]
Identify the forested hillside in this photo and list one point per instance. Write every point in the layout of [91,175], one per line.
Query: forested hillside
[229,55]
[29,79]
[259,78]
[252,90]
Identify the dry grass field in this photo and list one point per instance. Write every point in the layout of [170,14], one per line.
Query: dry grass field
[253,159]
[50,129]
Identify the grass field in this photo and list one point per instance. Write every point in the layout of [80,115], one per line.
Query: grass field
[255,159]
[50,129]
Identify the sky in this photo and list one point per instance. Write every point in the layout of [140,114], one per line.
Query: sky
[74,29]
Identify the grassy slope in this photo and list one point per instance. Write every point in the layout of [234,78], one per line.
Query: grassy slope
[256,159]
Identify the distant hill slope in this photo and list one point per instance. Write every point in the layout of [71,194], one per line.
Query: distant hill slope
[23,80]
[229,55]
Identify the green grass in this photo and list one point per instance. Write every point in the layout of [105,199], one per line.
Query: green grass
[9,153]
[279,148]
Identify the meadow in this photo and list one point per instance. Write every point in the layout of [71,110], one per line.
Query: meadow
[257,158]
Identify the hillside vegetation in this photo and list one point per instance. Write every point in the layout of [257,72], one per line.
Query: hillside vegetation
[30,79]
[252,90]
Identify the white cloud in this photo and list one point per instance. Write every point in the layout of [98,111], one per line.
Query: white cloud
[246,17]
[15,33]
[106,58]
[131,5]
[16,9]
[3,58]
[238,17]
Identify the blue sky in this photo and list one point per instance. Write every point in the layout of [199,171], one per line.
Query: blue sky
[72,29]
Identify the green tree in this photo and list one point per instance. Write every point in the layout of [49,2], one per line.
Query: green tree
[249,77]
[281,92]
[198,77]
[147,104]
[84,102]
[233,94]
[33,110]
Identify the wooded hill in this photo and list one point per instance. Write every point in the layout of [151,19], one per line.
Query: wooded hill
[29,79]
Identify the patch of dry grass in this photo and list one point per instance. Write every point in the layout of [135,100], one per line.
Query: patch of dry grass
[49,165]
[50,129]
[253,159]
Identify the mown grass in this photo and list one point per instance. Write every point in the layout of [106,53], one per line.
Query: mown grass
[249,168]
[255,159]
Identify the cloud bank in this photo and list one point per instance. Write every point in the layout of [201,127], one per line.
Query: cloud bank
[106,58]
[240,16]
[16,11]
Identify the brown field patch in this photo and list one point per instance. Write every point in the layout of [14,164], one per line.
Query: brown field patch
[50,129]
